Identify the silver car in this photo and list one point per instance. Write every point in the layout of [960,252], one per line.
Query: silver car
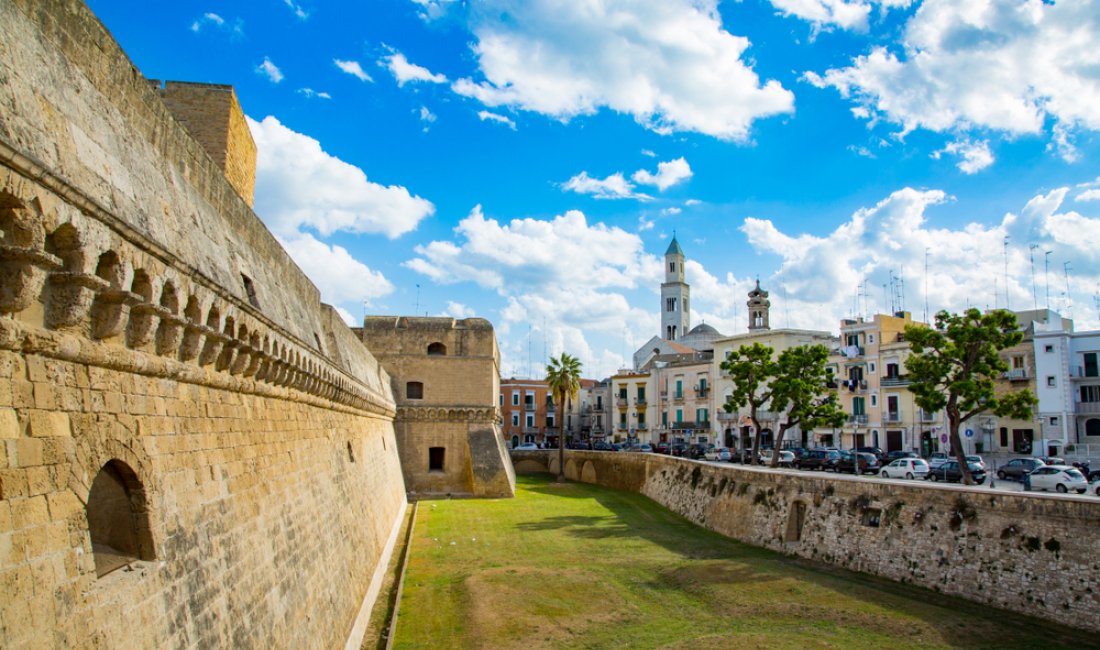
[909,468]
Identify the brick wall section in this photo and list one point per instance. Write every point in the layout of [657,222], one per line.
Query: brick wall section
[213,117]
[1034,554]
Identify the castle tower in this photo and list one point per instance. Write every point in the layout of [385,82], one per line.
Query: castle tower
[675,312]
[758,309]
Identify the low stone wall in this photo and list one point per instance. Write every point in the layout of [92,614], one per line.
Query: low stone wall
[1035,554]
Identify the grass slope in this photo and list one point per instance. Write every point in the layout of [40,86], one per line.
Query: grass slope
[580,566]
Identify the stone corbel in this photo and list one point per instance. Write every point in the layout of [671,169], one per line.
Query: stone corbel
[145,319]
[256,357]
[169,334]
[193,334]
[111,311]
[71,297]
[212,348]
[229,353]
[22,273]
[242,360]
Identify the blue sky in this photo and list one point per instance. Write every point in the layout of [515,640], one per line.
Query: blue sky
[526,161]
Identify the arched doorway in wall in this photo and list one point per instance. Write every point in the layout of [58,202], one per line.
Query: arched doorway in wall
[118,518]
[515,441]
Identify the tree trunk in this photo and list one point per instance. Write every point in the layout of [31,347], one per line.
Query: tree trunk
[756,437]
[957,446]
[561,452]
[779,443]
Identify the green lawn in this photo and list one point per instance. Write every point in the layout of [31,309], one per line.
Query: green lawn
[580,566]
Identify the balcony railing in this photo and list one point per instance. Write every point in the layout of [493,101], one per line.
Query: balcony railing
[1080,372]
[528,407]
[858,419]
[1016,374]
[1088,408]
[892,417]
[597,408]
[531,430]
[728,417]
[925,416]
[641,426]
[702,391]
[895,380]
[678,396]
[640,401]
[623,404]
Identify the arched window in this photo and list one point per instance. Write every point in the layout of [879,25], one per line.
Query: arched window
[414,390]
[1092,427]
[437,349]
[118,519]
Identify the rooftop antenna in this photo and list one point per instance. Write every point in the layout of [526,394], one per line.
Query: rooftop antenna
[1046,274]
[1034,293]
[1068,303]
[1007,303]
[417,310]
[529,375]
[926,284]
[996,294]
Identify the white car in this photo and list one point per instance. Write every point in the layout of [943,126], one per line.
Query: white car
[1061,478]
[527,446]
[974,459]
[937,458]
[909,468]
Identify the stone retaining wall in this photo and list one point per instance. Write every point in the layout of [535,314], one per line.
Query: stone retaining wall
[1035,554]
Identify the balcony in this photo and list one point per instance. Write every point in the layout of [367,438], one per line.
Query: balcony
[925,416]
[641,426]
[892,417]
[855,385]
[530,406]
[1016,374]
[640,401]
[678,396]
[623,404]
[1080,372]
[895,380]
[531,430]
[860,418]
[702,391]
[1087,408]
[597,408]
[728,417]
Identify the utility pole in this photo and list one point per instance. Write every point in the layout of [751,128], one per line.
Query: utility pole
[1034,294]
[1065,271]
[1007,303]
[1046,274]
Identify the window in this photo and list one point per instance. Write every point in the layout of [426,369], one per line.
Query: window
[1092,427]
[679,388]
[891,370]
[530,420]
[874,400]
[670,304]
[852,339]
[1092,369]
[622,392]
[414,390]
[501,400]
[871,369]
[515,398]
[641,418]
[550,420]
[1054,420]
[664,418]
[641,393]
[622,420]
[1017,362]
[672,267]
[858,407]
[1090,394]
[435,458]
[1004,436]
[679,415]
[515,419]
[870,338]
[437,349]
[117,518]
[1051,381]
[1048,348]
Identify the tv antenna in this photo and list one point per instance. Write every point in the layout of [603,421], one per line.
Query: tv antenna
[1034,294]
[1007,304]
[1046,274]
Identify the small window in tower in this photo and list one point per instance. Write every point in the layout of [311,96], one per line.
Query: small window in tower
[414,390]
[672,267]
[435,458]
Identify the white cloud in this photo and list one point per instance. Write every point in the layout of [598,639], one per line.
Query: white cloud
[270,70]
[494,117]
[434,9]
[649,154]
[614,186]
[426,115]
[671,211]
[668,174]
[1089,195]
[691,202]
[207,19]
[845,14]
[311,93]
[974,155]
[339,276]
[458,310]
[298,185]
[1001,65]
[297,9]
[405,72]
[347,317]
[668,64]
[353,68]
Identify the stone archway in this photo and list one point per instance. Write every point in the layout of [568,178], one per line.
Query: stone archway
[588,472]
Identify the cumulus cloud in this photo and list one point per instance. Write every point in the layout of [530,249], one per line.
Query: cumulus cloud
[311,93]
[614,186]
[210,19]
[405,72]
[974,156]
[426,115]
[270,70]
[298,186]
[339,276]
[1089,195]
[826,14]
[353,68]
[668,174]
[434,9]
[670,65]
[458,310]
[486,116]
[1012,67]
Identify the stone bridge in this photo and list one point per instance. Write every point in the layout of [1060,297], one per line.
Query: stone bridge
[1034,554]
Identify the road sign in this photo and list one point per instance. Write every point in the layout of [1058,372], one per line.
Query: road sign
[943,438]
[969,433]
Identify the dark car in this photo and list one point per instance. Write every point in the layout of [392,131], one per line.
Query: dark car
[817,459]
[580,444]
[678,449]
[662,448]
[856,462]
[600,445]
[1017,468]
[895,455]
[698,451]
[874,451]
[951,473]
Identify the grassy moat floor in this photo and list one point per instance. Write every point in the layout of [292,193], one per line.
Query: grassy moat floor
[580,566]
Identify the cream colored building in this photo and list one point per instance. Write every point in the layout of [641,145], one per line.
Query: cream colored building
[683,410]
[630,395]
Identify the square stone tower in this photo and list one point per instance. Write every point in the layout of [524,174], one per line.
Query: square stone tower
[446,382]
[213,117]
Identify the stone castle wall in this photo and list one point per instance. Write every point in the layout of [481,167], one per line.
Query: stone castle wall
[169,382]
[1034,554]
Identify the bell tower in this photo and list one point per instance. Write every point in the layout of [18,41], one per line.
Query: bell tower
[758,309]
[675,311]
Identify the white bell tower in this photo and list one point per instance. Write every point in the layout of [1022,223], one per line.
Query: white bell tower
[675,311]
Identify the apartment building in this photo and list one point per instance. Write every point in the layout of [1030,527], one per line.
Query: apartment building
[684,405]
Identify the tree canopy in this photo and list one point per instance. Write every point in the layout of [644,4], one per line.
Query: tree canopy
[751,368]
[954,366]
[800,388]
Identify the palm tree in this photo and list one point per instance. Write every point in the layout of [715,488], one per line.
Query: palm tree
[563,378]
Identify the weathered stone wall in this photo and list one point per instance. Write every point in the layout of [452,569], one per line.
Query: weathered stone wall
[456,366]
[1035,554]
[153,331]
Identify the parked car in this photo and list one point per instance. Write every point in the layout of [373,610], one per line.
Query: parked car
[644,448]
[951,472]
[937,458]
[874,451]
[817,459]
[698,451]
[1017,468]
[581,444]
[713,453]
[895,455]
[663,448]
[1094,487]
[678,449]
[600,445]
[975,459]
[1060,478]
[909,468]
[786,457]
[527,446]
[856,462]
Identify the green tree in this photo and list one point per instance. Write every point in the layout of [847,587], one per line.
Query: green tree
[954,366]
[801,389]
[563,377]
[752,369]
